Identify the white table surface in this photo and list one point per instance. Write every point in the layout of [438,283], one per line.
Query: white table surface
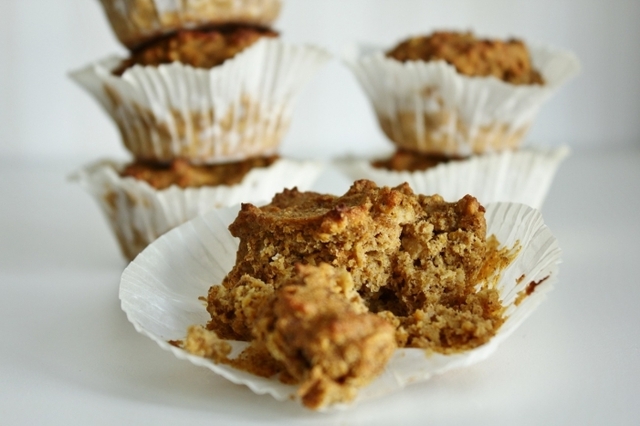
[69,356]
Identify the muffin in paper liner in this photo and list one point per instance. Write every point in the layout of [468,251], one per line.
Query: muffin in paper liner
[159,293]
[430,108]
[139,213]
[237,110]
[137,21]
[522,176]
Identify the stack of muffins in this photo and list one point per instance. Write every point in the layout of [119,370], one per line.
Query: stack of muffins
[458,108]
[202,103]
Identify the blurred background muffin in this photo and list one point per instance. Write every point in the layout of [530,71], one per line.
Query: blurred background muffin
[452,94]
[203,111]
[209,96]
[456,107]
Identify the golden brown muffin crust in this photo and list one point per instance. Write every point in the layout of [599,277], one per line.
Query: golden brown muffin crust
[202,48]
[186,175]
[507,60]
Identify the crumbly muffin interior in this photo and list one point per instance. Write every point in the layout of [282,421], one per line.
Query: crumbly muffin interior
[507,60]
[405,253]
[326,287]
[311,310]
[313,331]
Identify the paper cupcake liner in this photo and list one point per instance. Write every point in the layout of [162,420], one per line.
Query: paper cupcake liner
[429,107]
[159,293]
[239,109]
[137,21]
[523,176]
[139,213]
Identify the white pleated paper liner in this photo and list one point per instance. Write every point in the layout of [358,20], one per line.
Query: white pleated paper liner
[522,176]
[139,213]
[429,107]
[137,21]
[237,110]
[159,292]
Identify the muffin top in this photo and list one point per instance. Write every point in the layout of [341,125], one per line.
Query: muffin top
[508,60]
[185,175]
[199,48]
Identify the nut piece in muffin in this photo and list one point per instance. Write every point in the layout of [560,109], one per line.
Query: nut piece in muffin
[508,60]
[186,175]
[328,344]
[205,48]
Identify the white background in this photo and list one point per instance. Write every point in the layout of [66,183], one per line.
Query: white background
[43,114]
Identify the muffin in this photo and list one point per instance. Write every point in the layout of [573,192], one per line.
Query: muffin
[142,200]
[452,94]
[457,109]
[508,60]
[238,106]
[298,317]
[404,252]
[316,275]
[186,175]
[138,21]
